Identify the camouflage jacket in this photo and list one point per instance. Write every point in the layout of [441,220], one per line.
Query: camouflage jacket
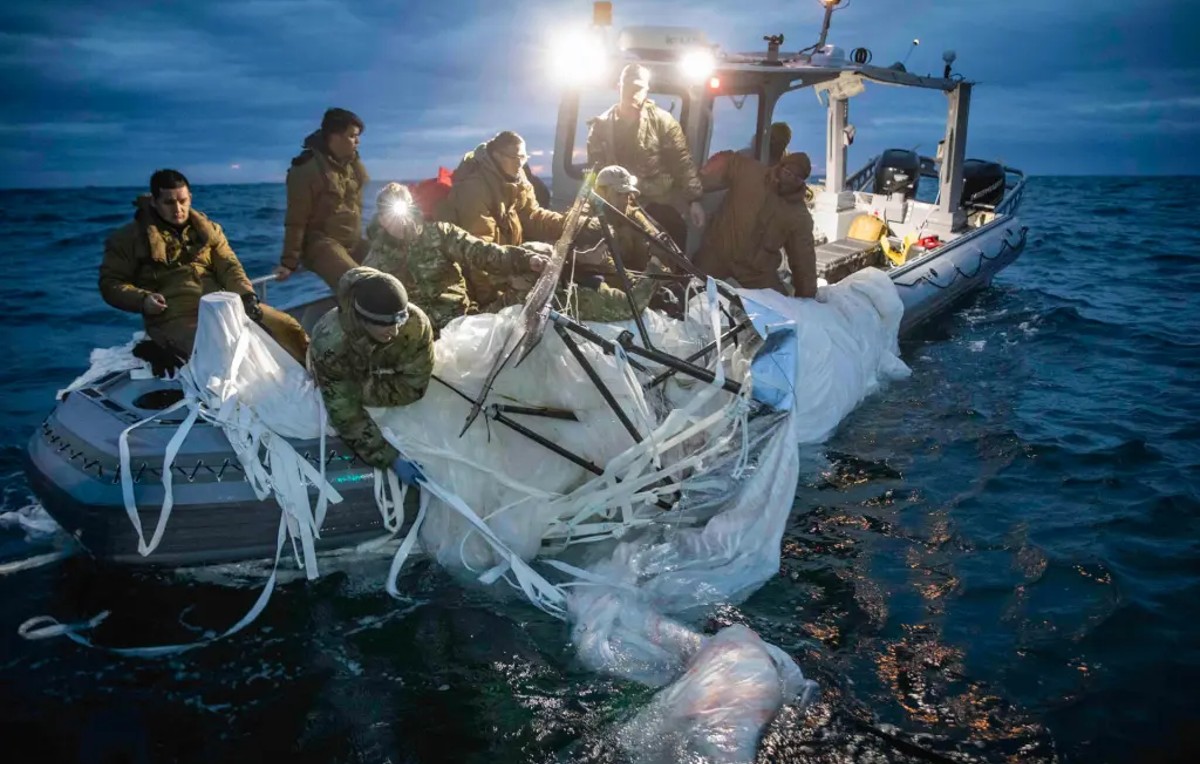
[353,371]
[604,303]
[435,266]
[660,158]
[636,251]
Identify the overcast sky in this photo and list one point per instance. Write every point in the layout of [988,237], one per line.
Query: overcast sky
[102,92]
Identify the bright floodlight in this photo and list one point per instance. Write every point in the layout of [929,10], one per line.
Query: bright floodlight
[577,58]
[399,208]
[696,65]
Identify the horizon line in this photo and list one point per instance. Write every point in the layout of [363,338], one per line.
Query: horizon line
[18,189]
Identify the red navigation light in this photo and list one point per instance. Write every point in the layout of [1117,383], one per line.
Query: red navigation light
[714,83]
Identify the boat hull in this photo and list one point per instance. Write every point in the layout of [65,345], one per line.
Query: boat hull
[73,468]
[931,284]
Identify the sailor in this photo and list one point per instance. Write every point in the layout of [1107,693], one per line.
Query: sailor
[778,138]
[434,258]
[374,349]
[322,229]
[763,213]
[163,261]
[492,198]
[638,135]
[619,187]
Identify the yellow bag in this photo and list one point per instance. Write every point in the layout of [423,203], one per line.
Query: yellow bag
[866,227]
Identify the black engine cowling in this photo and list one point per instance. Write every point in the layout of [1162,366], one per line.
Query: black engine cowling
[897,170]
[983,183]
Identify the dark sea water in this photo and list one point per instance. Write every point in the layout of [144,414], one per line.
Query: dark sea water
[1001,562]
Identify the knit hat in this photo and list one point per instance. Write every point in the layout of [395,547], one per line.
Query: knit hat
[381,299]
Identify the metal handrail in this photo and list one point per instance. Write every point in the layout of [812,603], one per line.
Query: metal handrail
[859,180]
[1012,198]
[262,281]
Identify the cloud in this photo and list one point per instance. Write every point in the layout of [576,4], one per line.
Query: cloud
[105,92]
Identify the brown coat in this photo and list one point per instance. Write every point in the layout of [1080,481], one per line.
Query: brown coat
[149,256]
[753,224]
[491,207]
[660,159]
[324,204]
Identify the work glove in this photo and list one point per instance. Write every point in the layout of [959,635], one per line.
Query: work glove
[164,361]
[408,472]
[253,309]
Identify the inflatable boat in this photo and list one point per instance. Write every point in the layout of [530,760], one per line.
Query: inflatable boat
[934,251]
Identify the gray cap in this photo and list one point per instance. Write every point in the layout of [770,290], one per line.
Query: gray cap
[617,178]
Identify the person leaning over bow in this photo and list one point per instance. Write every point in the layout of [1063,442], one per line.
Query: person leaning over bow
[646,140]
[763,214]
[373,349]
[435,258]
[169,256]
[322,228]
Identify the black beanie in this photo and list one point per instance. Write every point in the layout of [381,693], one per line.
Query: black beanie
[380,298]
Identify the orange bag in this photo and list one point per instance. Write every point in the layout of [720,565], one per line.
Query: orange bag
[429,193]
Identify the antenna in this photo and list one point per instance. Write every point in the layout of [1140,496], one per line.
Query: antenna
[830,7]
[911,48]
[948,57]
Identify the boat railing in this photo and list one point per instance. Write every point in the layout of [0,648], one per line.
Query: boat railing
[1013,191]
[859,180]
[261,283]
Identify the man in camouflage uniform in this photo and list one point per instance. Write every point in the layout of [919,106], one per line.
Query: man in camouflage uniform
[617,186]
[322,229]
[374,349]
[169,256]
[435,259]
[444,264]
[639,136]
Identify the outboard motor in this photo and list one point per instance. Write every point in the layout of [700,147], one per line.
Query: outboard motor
[897,171]
[983,183]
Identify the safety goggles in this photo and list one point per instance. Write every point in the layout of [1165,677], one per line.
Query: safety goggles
[381,319]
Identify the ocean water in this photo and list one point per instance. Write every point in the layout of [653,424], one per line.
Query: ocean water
[1000,562]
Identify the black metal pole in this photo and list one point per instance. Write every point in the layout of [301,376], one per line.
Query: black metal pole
[626,284]
[674,255]
[660,378]
[546,413]
[494,411]
[599,383]
[672,362]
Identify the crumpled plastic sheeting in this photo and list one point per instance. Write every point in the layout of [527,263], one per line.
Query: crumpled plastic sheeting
[282,394]
[717,709]
[848,345]
[627,609]
[733,686]
[503,476]
[103,361]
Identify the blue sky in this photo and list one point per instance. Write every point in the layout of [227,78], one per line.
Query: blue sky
[102,92]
